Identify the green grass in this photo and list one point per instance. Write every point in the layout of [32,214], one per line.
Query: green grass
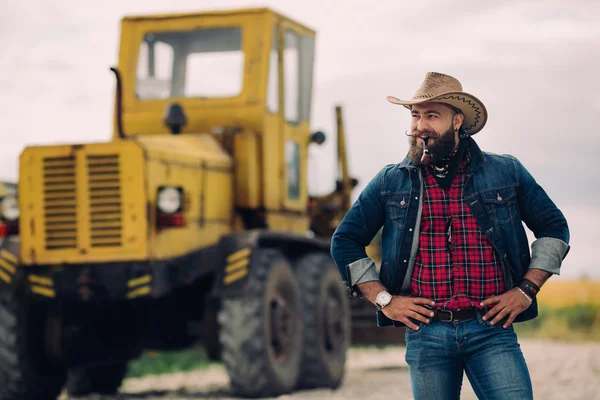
[165,362]
[578,322]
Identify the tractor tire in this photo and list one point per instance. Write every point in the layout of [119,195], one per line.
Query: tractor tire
[327,322]
[99,379]
[23,373]
[261,331]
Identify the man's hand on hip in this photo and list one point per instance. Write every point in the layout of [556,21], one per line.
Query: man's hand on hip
[403,308]
[511,303]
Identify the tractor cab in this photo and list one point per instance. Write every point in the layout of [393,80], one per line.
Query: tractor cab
[225,69]
[243,77]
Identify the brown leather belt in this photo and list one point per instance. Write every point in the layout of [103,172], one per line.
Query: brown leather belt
[454,316]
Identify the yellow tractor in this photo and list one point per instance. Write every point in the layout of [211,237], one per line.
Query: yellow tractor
[192,225]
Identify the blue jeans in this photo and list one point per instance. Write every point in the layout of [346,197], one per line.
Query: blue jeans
[437,354]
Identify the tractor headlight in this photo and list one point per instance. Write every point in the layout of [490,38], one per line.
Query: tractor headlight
[169,200]
[9,208]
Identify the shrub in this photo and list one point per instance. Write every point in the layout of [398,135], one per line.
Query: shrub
[156,363]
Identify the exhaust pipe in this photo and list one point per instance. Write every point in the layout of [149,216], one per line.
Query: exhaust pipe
[118,103]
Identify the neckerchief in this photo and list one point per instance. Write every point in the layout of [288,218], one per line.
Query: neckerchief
[445,171]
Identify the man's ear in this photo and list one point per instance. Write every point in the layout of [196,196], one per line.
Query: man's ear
[458,120]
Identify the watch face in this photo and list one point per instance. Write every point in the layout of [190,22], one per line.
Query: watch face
[383,298]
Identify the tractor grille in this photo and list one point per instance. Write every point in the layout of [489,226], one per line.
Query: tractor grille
[60,202]
[83,203]
[60,213]
[105,200]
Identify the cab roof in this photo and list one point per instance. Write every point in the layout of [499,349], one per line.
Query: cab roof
[264,10]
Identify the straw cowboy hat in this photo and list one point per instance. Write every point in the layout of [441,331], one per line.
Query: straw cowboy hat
[442,88]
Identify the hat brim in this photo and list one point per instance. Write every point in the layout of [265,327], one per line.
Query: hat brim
[472,108]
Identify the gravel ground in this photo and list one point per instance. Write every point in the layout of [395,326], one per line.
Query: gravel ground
[558,370]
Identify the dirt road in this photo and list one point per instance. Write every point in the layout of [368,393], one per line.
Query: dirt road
[559,371]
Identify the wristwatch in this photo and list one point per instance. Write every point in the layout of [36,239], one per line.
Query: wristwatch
[383,299]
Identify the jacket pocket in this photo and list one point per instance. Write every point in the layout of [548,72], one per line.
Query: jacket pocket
[501,204]
[396,208]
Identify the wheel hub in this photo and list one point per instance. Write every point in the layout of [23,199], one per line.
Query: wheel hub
[334,326]
[282,326]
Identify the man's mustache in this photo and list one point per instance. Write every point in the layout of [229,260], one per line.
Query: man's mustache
[423,134]
[428,134]
[430,149]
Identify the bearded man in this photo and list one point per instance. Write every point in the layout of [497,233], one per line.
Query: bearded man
[456,267]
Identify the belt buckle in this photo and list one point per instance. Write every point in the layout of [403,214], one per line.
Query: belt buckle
[449,312]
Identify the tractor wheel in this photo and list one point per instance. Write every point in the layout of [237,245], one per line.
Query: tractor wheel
[261,331]
[100,379]
[327,322]
[23,372]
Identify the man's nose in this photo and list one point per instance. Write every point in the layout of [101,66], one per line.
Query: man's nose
[422,126]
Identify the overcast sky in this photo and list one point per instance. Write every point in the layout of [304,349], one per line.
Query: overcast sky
[534,64]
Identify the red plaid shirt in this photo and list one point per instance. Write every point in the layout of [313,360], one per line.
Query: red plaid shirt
[459,275]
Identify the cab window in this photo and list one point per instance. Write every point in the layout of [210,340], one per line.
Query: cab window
[298,60]
[291,74]
[202,63]
[273,85]
[292,160]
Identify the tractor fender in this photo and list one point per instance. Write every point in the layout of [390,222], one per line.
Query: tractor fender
[238,250]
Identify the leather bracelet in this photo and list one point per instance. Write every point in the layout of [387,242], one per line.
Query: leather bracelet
[527,291]
[532,285]
[529,288]
[525,294]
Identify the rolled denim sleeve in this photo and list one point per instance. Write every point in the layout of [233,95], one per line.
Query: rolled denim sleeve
[545,220]
[363,270]
[356,231]
[547,254]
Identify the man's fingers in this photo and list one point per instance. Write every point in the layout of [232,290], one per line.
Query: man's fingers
[409,324]
[492,312]
[500,315]
[491,300]
[422,310]
[420,300]
[418,317]
[510,319]
[513,315]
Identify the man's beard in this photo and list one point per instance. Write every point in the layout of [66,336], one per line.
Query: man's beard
[440,146]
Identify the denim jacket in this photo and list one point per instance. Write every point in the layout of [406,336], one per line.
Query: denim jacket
[500,193]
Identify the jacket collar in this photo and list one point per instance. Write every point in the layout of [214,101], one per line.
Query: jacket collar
[477,157]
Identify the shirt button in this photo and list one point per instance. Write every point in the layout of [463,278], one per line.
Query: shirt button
[404,260]
[416,198]
[410,230]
